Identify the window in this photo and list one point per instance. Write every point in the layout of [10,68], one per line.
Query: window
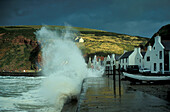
[108,62]
[160,66]
[123,60]
[126,60]
[113,62]
[154,66]
[148,58]
[140,60]
[160,54]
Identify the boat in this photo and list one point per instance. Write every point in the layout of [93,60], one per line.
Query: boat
[146,78]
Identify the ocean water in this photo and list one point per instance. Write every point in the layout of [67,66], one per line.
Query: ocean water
[64,69]
[21,94]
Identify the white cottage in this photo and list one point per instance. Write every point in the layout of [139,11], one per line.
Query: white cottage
[79,39]
[131,58]
[157,57]
[110,61]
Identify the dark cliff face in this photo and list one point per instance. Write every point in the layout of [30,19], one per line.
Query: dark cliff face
[164,32]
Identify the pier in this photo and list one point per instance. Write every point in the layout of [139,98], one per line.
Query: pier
[105,94]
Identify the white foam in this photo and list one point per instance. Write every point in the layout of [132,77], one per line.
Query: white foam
[63,64]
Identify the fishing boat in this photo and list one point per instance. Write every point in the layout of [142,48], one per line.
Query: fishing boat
[146,78]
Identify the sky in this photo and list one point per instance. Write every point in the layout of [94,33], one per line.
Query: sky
[133,17]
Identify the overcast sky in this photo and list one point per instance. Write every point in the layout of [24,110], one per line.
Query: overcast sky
[133,17]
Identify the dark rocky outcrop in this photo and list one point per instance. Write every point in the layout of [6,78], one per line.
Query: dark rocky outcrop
[164,32]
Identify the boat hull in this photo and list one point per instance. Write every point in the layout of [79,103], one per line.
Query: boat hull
[146,78]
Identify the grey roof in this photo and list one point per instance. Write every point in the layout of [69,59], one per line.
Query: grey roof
[166,44]
[117,57]
[126,55]
[143,53]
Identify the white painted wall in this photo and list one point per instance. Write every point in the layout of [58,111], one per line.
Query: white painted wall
[138,58]
[108,60]
[132,57]
[155,56]
[112,59]
[124,63]
[81,40]
[147,64]
[135,58]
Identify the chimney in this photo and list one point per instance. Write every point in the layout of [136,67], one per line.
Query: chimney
[139,49]
[149,47]
[157,39]
[113,56]
[108,57]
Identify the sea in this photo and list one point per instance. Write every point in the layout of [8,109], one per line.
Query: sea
[22,94]
[63,70]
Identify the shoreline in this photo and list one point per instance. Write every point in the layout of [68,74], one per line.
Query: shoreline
[27,74]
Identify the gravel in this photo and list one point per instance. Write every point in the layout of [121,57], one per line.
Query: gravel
[156,89]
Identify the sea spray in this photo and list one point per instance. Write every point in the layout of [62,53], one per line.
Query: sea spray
[63,64]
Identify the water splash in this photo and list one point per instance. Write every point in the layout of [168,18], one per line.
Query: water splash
[63,64]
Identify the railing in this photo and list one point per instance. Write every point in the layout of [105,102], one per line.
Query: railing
[111,70]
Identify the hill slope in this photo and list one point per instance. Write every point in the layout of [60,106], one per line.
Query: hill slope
[19,49]
[164,32]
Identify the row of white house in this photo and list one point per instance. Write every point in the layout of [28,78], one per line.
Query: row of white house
[156,58]
[107,61]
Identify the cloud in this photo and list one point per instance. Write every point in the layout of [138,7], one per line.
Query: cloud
[125,16]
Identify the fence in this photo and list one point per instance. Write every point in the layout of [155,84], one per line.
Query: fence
[111,70]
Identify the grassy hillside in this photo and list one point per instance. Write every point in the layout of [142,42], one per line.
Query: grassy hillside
[19,49]
[107,43]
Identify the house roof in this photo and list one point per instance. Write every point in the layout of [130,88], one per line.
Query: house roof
[117,57]
[143,53]
[166,44]
[100,57]
[126,55]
